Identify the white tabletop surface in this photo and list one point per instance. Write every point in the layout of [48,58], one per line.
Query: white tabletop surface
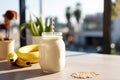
[107,66]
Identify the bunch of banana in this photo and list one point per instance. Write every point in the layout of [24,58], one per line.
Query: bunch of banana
[29,53]
[25,55]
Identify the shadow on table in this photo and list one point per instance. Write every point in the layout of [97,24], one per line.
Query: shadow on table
[22,75]
[4,65]
[11,72]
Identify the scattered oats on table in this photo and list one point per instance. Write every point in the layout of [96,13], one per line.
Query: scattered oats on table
[84,75]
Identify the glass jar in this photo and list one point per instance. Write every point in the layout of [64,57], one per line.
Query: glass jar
[52,52]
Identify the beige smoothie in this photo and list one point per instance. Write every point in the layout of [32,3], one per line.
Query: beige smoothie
[52,53]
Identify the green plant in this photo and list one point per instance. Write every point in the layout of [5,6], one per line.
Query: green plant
[37,26]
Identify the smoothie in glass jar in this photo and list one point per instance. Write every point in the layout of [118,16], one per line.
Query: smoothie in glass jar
[52,52]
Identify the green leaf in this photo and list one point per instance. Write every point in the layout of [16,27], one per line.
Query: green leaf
[36,31]
[40,24]
[22,27]
[33,27]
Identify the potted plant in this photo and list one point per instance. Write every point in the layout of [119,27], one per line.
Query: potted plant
[37,26]
[7,44]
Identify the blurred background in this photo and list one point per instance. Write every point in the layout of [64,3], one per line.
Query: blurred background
[81,22]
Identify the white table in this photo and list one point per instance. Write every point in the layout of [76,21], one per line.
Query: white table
[107,66]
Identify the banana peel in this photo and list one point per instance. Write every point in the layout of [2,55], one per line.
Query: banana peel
[32,57]
[24,56]
[22,63]
[12,57]
[29,53]
[28,48]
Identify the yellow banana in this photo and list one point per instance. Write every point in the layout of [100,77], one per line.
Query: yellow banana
[25,55]
[22,63]
[29,53]
[31,57]
[12,57]
[28,48]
